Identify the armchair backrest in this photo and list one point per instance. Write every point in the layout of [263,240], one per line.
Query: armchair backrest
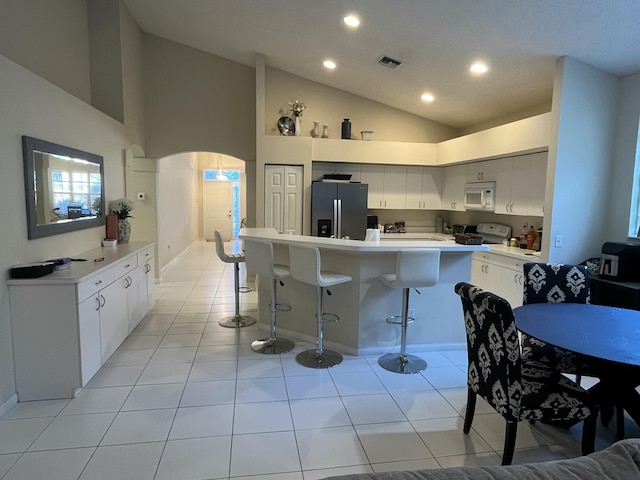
[555,283]
[493,348]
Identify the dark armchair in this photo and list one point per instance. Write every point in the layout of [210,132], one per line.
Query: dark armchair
[517,389]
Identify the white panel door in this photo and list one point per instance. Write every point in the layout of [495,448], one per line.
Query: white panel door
[293,199]
[217,209]
[283,194]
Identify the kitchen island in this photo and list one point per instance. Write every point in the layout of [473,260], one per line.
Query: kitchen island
[364,303]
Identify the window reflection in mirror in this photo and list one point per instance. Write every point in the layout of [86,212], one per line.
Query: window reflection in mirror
[64,188]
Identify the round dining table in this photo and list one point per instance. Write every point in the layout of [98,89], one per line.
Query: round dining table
[608,338]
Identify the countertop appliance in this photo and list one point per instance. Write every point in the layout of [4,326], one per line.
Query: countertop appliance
[397,227]
[494,233]
[480,196]
[620,261]
[339,210]
[463,229]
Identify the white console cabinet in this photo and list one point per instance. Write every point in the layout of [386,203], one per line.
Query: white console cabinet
[67,324]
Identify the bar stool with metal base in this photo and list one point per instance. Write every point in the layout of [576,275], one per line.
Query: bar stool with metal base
[414,268]
[259,258]
[237,320]
[305,267]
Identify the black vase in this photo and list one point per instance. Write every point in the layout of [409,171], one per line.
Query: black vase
[346,129]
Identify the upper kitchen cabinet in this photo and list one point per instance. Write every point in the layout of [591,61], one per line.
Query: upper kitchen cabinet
[373,175]
[424,188]
[482,171]
[520,185]
[453,180]
[387,186]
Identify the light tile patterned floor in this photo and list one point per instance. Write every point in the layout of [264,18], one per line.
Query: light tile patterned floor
[184,398]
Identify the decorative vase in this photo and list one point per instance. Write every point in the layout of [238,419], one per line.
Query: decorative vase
[298,127]
[325,131]
[346,129]
[124,230]
[315,132]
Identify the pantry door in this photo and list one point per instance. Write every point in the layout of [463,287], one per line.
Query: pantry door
[217,209]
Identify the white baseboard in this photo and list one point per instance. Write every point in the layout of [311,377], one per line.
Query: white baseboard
[176,259]
[6,406]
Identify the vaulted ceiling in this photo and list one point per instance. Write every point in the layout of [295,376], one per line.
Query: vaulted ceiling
[436,41]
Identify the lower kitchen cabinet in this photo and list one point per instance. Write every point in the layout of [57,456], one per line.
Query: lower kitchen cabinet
[499,274]
[66,325]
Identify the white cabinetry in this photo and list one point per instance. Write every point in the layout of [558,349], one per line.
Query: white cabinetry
[424,188]
[387,186]
[454,178]
[373,176]
[67,324]
[395,187]
[114,321]
[481,171]
[520,184]
[499,274]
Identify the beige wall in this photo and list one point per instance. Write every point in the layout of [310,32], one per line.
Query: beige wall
[177,205]
[32,106]
[329,105]
[195,101]
[32,30]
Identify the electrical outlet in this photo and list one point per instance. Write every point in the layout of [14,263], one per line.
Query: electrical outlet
[559,241]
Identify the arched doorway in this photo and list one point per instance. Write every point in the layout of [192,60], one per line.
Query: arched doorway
[181,210]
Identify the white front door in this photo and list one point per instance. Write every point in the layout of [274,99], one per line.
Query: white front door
[217,209]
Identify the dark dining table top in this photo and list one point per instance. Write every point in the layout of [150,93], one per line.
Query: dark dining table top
[603,332]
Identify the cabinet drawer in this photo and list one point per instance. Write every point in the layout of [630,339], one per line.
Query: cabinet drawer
[145,255]
[125,266]
[94,284]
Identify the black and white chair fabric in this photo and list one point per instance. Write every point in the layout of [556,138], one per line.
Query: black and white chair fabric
[518,390]
[554,283]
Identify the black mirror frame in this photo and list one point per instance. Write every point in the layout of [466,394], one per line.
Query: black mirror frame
[29,145]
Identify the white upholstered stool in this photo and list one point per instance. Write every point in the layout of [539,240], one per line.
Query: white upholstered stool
[237,320]
[414,268]
[305,266]
[259,258]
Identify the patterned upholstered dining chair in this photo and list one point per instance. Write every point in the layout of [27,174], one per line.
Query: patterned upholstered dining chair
[554,283]
[518,390]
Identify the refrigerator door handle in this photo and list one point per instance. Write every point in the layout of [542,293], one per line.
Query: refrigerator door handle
[339,219]
[334,227]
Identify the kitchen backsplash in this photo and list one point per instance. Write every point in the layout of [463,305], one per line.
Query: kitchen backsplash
[416,220]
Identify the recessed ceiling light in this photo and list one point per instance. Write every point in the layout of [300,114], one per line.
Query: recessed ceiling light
[330,64]
[427,97]
[352,21]
[478,68]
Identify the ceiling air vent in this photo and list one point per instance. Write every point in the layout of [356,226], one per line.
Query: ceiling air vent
[389,62]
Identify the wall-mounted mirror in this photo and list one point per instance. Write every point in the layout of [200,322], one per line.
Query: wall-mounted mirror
[64,188]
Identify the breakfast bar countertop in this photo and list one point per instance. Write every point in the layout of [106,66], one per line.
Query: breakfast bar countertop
[365,302]
[384,245]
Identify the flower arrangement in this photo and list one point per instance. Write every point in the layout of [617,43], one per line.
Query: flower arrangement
[297,108]
[121,207]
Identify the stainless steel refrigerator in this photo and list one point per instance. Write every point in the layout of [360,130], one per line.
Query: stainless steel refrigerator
[339,210]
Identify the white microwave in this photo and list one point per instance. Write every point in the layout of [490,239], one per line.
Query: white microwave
[480,196]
